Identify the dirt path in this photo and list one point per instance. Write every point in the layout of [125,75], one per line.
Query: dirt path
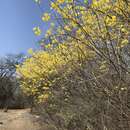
[18,120]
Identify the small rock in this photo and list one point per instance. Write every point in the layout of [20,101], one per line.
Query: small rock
[37,117]
[1,123]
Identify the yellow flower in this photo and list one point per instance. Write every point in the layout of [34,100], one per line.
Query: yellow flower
[48,46]
[30,51]
[79,31]
[48,32]
[67,28]
[37,31]
[54,6]
[54,41]
[124,43]
[69,1]
[46,17]
[110,21]
[43,97]
[60,1]
[114,18]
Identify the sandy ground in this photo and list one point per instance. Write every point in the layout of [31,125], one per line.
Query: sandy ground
[18,120]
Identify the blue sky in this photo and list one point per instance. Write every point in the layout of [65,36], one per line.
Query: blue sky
[17,19]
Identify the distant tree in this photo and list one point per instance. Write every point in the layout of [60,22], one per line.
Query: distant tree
[8,82]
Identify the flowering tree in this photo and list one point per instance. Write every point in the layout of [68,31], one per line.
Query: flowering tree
[81,77]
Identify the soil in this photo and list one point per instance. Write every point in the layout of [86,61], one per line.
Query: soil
[19,120]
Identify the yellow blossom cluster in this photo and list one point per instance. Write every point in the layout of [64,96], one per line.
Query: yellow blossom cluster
[37,70]
[46,17]
[85,32]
